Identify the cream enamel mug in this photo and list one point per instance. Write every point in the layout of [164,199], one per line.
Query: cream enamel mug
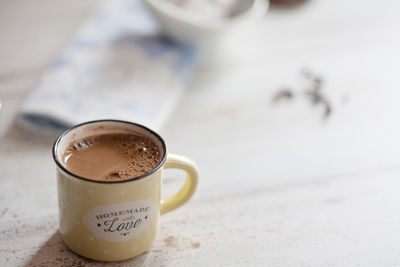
[117,220]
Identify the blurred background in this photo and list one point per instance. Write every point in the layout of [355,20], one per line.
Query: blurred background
[290,110]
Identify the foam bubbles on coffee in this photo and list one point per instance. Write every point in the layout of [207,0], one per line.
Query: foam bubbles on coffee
[112,157]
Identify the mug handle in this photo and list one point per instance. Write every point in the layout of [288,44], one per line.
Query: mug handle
[186,192]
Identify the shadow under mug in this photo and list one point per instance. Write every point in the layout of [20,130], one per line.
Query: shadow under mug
[115,220]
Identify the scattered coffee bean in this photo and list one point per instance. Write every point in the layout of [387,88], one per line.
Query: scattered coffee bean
[283,93]
[313,93]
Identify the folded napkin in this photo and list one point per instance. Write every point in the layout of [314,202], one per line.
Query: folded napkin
[118,66]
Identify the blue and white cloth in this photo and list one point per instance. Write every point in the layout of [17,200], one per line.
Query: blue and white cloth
[118,66]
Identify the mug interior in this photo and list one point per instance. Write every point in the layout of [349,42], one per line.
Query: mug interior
[92,128]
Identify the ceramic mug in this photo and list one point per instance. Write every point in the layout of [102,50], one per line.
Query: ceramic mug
[115,220]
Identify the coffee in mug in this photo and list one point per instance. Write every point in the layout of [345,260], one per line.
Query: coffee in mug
[112,157]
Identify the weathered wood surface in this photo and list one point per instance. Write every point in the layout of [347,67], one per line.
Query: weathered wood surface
[279,185]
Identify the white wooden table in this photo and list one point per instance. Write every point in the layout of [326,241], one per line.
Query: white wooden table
[279,186]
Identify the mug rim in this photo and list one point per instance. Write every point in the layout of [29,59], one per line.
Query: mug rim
[62,167]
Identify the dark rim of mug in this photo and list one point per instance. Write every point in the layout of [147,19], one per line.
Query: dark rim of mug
[59,164]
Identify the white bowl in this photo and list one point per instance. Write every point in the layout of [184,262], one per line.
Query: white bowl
[191,27]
